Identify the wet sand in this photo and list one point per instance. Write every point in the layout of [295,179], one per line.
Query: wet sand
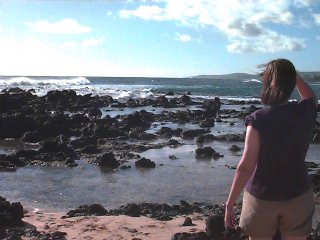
[111,227]
[116,227]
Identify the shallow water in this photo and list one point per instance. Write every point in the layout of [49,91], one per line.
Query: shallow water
[187,178]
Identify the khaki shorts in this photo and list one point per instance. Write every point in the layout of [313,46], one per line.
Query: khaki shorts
[261,218]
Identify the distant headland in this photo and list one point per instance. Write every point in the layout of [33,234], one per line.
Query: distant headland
[308,76]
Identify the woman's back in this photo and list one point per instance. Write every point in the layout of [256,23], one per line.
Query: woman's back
[284,132]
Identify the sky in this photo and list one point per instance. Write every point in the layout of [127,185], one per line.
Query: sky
[156,38]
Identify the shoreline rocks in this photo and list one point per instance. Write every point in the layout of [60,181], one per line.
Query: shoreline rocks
[69,126]
[213,215]
[207,152]
[10,213]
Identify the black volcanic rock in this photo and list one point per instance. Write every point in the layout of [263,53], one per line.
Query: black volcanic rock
[207,152]
[145,163]
[230,137]
[190,236]
[211,107]
[86,210]
[161,101]
[61,97]
[235,148]
[15,125]
[94,112]
[107,160]
[106,132]
[28,154]
[173,143]
[141,119]
[90,149]
[166,131]
[215,226]
[207,123]
[32,137]
[170,93]
[132,210]
[53,146]
[192,133]
[10,213]
[84,141]
[6,163]
[185,99]
[187,222]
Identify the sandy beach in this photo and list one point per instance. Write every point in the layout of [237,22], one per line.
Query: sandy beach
[111,227]
[114,227]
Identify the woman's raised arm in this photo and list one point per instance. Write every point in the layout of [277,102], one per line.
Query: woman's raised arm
[304,89]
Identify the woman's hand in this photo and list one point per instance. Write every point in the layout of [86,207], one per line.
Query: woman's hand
[229,218]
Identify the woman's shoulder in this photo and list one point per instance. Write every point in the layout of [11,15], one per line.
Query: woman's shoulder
[261,112]
[256,117]
[308,106]
[308,101]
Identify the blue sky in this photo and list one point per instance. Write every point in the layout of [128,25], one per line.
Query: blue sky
[165,38]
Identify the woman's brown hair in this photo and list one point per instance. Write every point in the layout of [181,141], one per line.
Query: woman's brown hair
[279,80]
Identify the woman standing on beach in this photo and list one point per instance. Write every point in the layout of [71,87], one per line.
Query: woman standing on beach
[278,190]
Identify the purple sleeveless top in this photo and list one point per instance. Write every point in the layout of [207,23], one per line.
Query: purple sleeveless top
[284,133]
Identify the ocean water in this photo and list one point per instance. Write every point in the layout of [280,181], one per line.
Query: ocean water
[124,87]
[187,178]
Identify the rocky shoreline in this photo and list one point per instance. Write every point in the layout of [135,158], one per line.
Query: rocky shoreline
[62,127]
[65,127]
[12,226]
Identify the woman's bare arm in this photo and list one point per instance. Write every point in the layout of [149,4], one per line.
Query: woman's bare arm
[304,89]
[244,171]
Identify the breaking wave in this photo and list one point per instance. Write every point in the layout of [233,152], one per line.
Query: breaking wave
[38,81]
[252,80]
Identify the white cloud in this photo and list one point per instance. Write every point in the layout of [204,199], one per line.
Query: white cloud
[272,42]
[316,18]
[33,57]
[64,26]
[109,13]
[92,42]
[243,22]
[146,13]
[71,44]
[216,13]
[183,37]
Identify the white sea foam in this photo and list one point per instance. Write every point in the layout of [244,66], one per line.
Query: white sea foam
[253,80]
[126,94]
[240,98]
[38,81]
[117,92]
[228,98]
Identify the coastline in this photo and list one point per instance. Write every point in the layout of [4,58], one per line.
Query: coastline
[54,225]
[111,227]
[70,143]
